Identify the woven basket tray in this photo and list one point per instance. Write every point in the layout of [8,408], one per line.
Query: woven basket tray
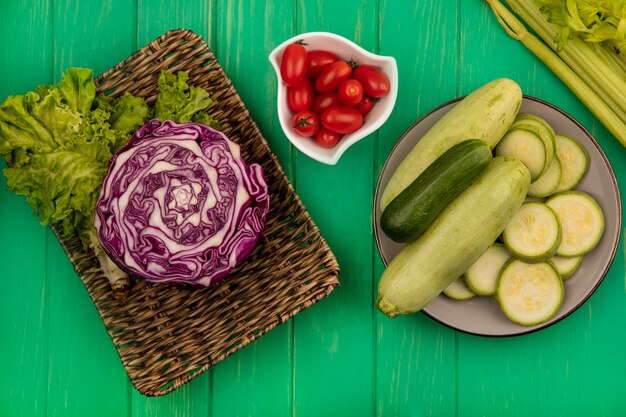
[166,335]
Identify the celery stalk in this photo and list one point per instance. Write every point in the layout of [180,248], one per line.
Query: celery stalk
[581,56]
[588,95]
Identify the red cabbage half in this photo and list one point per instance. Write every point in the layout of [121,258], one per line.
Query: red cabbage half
[180,205]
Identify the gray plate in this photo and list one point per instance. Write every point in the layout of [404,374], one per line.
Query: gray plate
[482,315]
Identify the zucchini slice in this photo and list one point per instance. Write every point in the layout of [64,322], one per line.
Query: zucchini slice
[482,276]
[534,233]
[527,146]
[574,162]
[548,182]
[582,222]
[529,294]
[458,290]
[566,266]
[541,127]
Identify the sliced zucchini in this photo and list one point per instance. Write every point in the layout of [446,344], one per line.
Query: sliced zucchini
[566,266]
[548,182]
[482,276]
[582,222]
[541,127]
[574,162]
[458,290]
[529,294]
[534,233]
[527,146]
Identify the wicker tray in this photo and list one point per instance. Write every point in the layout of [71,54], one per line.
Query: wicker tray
[165,335]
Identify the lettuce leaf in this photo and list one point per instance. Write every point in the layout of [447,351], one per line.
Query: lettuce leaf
[179,101]
[58,141]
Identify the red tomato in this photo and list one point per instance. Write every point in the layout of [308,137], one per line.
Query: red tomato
[333,75]
[293,64]
[350,92]
[342,119]
[318,60]
[366,105]
[324,101]
[300,97]
[306,123]
[375,82]
[327,138]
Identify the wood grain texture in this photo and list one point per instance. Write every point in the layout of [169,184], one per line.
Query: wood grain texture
[340,357]
[334,351]
[416,357]
[245,33]
[27,31]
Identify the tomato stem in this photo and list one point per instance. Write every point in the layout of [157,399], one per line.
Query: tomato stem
[301,42]
[303,121]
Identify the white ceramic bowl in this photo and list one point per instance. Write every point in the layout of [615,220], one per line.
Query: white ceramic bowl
[344,49]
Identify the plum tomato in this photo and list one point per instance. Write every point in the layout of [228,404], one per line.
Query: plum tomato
[333,75]
[323,101]
[318,60]
[350,92]
[293,64]
[341,119]
[306,123]
[300,97]
[366,105]
[327,138]
[375,82]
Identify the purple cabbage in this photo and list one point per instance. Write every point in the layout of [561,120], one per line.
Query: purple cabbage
[180,205]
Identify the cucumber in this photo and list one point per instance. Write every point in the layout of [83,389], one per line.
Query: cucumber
[527,146]
[482,276]
[582,222]
[459,235]
[534,233]
[485,114]
[574,161]
[458,290]
[548,182]
[415,208]
[529,294]
[566,266]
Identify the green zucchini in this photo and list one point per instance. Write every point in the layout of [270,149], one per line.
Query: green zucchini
[484,114]
[574,160]
[582,221]
[482,276]
[527,146]
[458,290]
[461,233]
[415,208]
[566,266]
[534,233]
[529,294]
[548,182]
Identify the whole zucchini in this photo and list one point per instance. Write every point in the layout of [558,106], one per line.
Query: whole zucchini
[486,113]
[415,208]
[455,240]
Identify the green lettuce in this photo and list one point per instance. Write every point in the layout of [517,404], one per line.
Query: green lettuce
[58,141]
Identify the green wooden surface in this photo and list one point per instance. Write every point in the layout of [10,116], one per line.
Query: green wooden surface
[339,357]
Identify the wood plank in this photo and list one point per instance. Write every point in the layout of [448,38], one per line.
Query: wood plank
[334,348]
[257,379]
[84,366]
[549,372]
[25,62]
[416,357]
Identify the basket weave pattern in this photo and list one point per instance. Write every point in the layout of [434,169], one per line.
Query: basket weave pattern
[166,335]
